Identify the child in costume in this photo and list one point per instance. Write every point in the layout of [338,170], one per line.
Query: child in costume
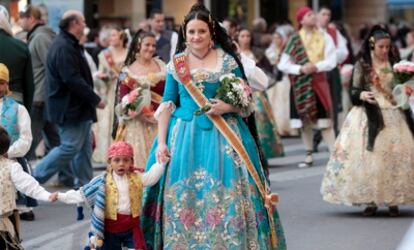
[16,121]
[115,199]
[13,177]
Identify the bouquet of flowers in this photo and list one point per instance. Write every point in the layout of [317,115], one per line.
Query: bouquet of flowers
[136,102]
[403,92]
[403,71]
[233,91]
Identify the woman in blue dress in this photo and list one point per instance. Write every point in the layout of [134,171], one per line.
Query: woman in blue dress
[208,198]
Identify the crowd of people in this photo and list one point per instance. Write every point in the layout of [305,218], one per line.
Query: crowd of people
[186,169]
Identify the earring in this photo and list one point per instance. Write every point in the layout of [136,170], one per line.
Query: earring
[137,56]
[211,45]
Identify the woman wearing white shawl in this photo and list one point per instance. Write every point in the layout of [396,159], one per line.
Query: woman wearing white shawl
[4,20]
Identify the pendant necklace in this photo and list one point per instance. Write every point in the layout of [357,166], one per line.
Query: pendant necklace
[200,57]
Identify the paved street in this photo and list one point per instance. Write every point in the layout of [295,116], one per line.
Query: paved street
[309,223]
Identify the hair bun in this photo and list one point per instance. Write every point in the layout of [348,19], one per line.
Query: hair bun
[199,7]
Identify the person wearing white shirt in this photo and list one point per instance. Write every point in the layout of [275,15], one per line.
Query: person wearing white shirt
[270,141]
[115,198]
[324,18]
[22,144]
[13,177]
[16,120]
[308,55]
[334,78]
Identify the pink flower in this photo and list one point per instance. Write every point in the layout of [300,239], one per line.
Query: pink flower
[132,113]
[404,68]
[237,222]
[187,217]
[410,68]
[132,96]
[397,69]
[247,89]
[214,217]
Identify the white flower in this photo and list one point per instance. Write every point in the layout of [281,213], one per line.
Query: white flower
[124,101]
[230,76]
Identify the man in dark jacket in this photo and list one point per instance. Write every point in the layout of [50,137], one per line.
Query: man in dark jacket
[166,39]
[39,40]
[15,55]
[70,103]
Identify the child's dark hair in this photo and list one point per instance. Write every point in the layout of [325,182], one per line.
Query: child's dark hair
[4,141]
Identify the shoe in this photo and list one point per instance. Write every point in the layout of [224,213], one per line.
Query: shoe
[79,211]
[393,211]
[370,211]
[27,216]
[317,138]
[308,160]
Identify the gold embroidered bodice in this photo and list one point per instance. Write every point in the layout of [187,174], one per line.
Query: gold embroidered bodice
[314,43]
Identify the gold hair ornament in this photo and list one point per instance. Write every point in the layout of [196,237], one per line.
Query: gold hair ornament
[211,21]
[371,41]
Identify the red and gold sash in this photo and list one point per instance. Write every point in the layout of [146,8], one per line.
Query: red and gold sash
[155,97]
[112,65]
[270,199]
[132,83]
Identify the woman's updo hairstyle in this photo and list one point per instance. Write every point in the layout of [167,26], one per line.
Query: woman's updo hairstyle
[376,33]
[240,30]
[135,45]
[123,36]
[221,39]
[219,35]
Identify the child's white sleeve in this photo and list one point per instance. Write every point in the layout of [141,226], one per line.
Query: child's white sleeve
[26,184]
[22,145]
[71,197]
[152,176]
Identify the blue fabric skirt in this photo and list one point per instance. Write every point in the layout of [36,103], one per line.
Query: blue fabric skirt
[206,198]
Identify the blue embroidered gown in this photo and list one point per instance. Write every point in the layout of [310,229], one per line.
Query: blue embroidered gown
[206,198]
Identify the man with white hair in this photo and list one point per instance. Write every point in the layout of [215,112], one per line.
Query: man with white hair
[70,103]
[103,43]
[16,56]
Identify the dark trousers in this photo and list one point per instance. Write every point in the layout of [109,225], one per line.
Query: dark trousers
[115,241]
[42,129]
[334,80]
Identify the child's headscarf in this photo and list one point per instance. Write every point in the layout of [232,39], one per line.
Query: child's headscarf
[4,73]
[120,148]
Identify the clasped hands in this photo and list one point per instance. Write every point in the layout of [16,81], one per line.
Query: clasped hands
[53,197]
[218,107]
[368,96]
[163,154]
[308,68]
